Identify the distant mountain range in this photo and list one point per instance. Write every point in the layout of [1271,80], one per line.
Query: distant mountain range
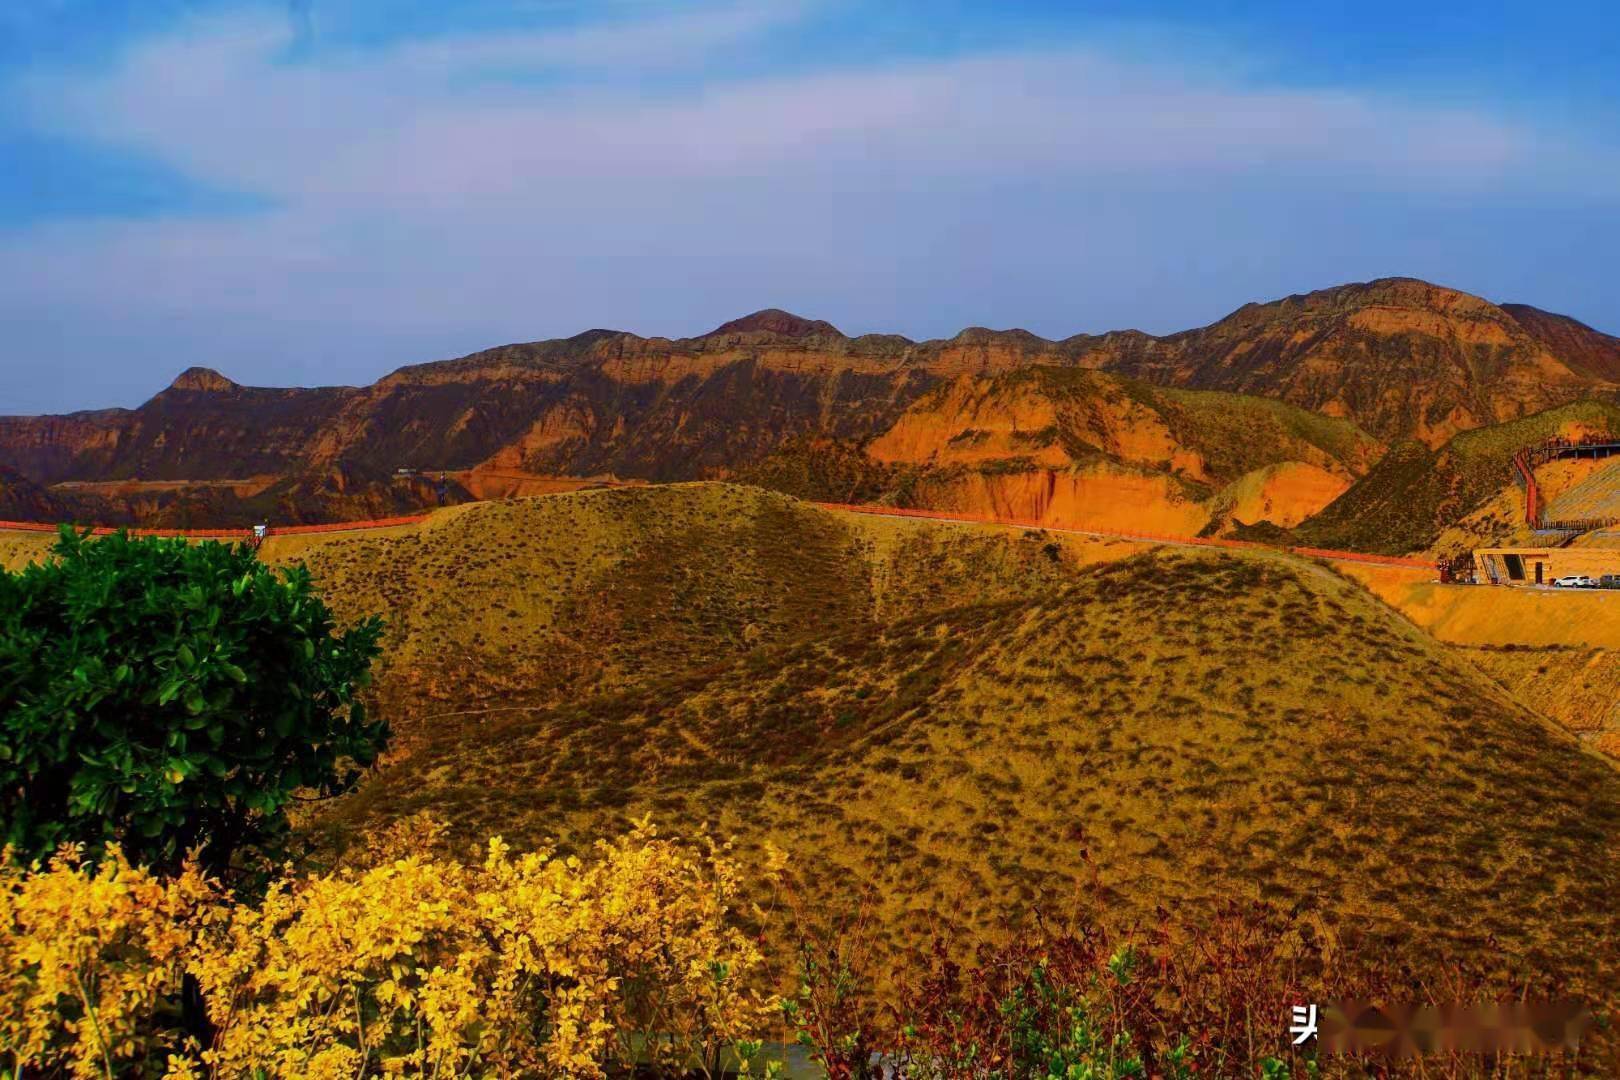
[774,395]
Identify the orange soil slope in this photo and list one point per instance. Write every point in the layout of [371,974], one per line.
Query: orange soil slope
[1092,450]
[1284,494]
[1111,498]
[1103,497]
[1487,615]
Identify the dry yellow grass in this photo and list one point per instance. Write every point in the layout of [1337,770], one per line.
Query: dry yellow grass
[1498,522]
[1579,688]
[1557,652]
[18,549]
[537,600]
[958,721]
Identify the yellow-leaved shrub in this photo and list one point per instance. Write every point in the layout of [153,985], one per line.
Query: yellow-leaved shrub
[91,961]
[521,965]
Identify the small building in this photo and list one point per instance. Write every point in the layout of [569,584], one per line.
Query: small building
[1539,566]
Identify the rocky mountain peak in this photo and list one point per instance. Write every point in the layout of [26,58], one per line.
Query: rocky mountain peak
[202,379]
[777,321]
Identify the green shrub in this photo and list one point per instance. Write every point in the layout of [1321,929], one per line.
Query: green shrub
[169,696]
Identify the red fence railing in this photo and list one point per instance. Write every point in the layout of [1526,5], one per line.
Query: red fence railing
[108,530]
[1532,493]
[226,534]
[348,526]
[858,508]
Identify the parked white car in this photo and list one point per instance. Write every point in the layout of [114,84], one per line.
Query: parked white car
[1572,581]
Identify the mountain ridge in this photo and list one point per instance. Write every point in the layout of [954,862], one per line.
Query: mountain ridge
[777,326]
[1398,357]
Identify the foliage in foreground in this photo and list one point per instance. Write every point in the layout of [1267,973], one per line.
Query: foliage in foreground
[630,960]
[171,696]
[1067,998]
[1054,1002]
[531,965]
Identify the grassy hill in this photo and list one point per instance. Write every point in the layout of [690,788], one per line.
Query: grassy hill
[1595,495]
[528,602]
[1578,687]
[958,723]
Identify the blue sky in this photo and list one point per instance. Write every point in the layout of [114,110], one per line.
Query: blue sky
[319,192]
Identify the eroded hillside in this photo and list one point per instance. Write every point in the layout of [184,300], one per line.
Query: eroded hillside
[774,397]
[1081,448]
[1403,358]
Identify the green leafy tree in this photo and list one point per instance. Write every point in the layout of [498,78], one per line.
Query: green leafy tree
[173,696]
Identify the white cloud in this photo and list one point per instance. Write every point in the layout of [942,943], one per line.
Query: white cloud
[429,122]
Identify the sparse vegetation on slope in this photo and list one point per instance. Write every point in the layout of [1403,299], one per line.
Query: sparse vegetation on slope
[574,594]
[829,471]
[1577,687]
[1264,783]
[18,549]
[1593,493]
[1404,358]
[534,601]
[1238,433]
[1066,415]
[1188,727]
